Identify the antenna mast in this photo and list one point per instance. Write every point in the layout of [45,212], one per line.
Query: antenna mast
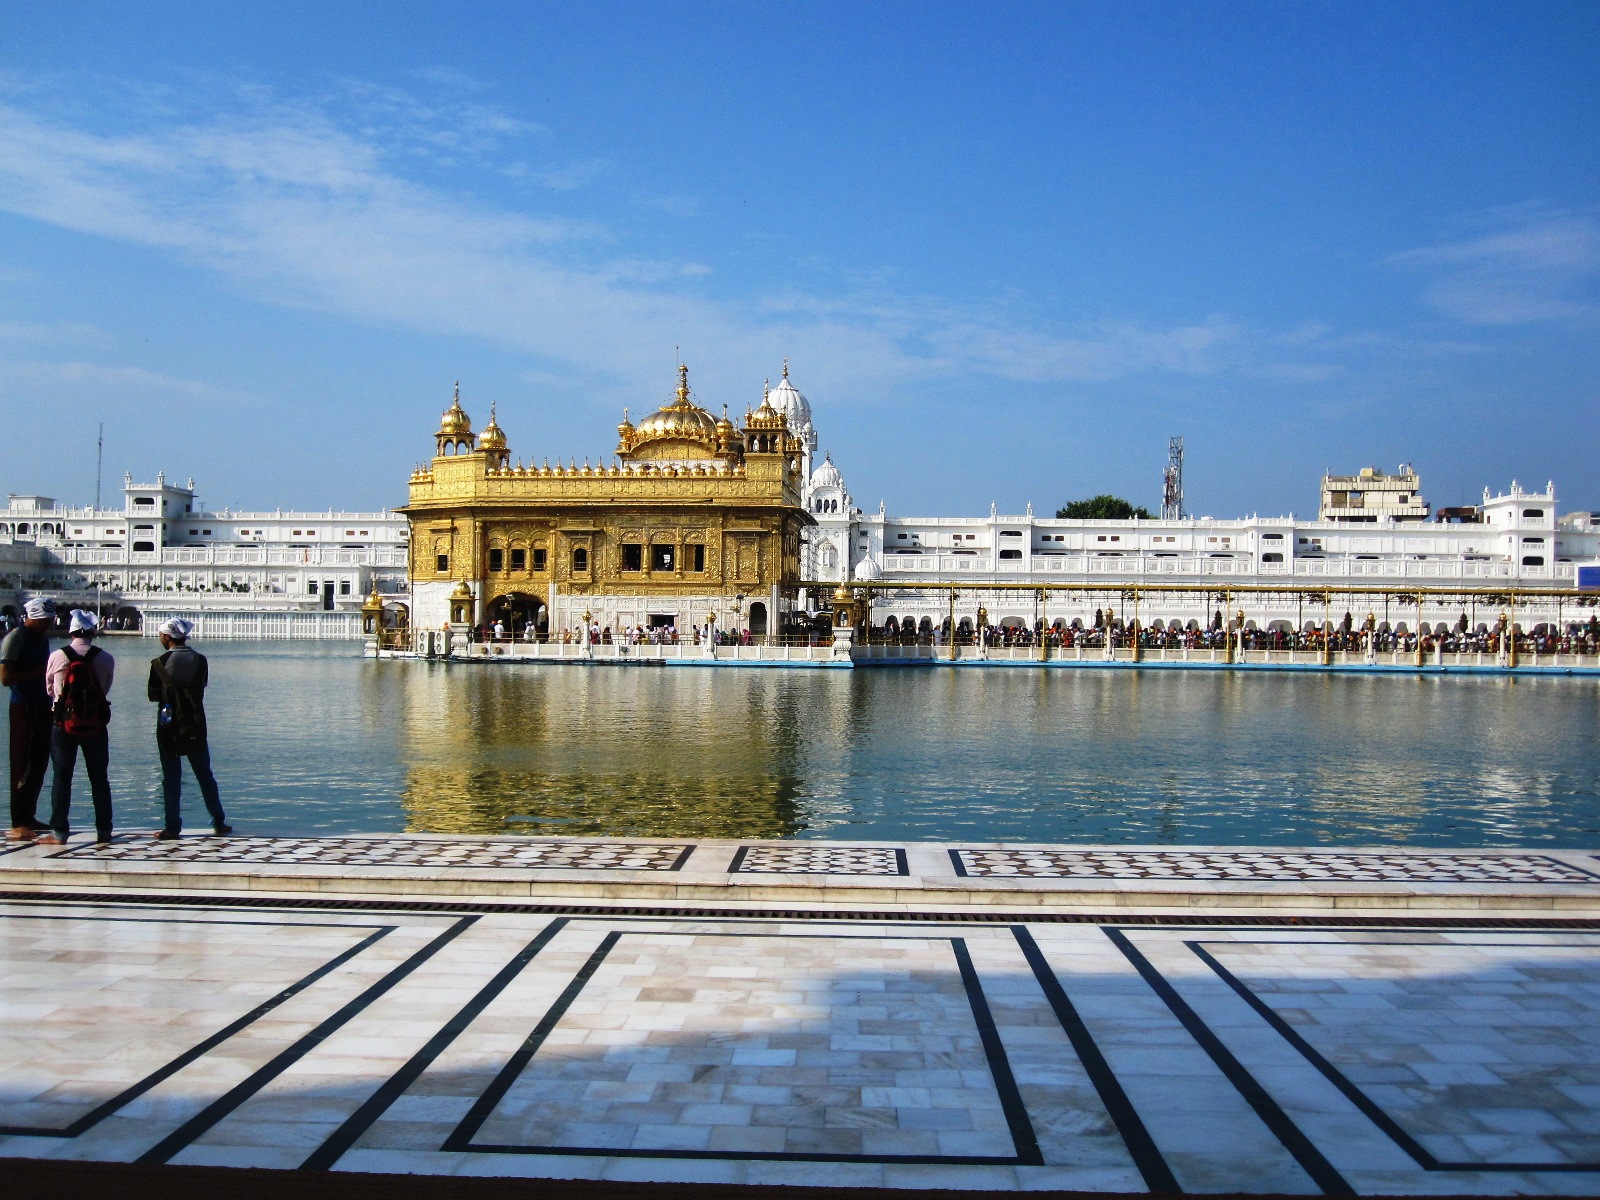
[1172,489]
[99,457]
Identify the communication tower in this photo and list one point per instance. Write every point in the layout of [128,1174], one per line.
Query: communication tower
[1172,491]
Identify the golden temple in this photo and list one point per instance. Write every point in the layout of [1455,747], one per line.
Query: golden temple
[694,522]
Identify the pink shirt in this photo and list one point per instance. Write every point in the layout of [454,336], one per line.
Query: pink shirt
[55,671]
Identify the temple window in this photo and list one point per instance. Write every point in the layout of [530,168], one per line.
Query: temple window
[698,558]
[661,558]
[538,559]
[580,558]
[497,559]
[519,560]
[632,556]
[442,564]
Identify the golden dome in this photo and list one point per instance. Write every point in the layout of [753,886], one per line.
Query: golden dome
[455,422]
[683,419]
[492,437]
[765,417]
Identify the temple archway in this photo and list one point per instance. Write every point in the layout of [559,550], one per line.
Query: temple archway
[520,612]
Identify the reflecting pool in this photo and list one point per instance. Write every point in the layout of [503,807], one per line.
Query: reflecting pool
[315,739]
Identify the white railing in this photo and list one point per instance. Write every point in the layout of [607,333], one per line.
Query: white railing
[236,556]
[260,626]
[1423,572]
[645,652]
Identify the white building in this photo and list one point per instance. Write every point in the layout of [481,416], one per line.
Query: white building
[164,552]
[1372,496]
[1513,540]
[247,573]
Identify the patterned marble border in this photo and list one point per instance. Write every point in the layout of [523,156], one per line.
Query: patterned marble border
[1268,866]
[394,852]
[798,858]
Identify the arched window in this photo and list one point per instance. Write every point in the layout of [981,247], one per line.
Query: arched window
[580,558]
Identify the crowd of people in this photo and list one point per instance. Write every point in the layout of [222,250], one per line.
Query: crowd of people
[606,635]
[127,623]
[60,710]
[1577,638]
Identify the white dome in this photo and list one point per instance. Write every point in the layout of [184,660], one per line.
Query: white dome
[827,475]
[867,569]
[786,398]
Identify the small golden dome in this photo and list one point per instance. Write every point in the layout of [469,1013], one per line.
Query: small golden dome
[455,422]
[682,419]
[841,595]
[766,416]
[492,437]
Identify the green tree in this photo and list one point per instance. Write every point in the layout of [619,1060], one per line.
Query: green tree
[1103,508]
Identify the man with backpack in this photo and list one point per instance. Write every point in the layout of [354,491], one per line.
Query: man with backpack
[24,655]
[78,681]
[178,684]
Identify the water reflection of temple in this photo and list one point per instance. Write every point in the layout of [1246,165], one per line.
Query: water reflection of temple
[621,752]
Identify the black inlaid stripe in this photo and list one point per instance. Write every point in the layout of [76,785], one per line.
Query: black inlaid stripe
[238,1094]
[461,1137]
[1369,1108]
[1311,1160]
[396,1085]
[1157,1175]
[1005,1083]
[201,1048]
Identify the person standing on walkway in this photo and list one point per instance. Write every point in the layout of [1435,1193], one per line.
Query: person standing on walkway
[24,655]
[78,680]
[178,684]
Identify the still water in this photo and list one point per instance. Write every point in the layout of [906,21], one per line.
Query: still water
[315,739]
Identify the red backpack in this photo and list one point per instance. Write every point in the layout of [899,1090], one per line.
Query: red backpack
[82,709]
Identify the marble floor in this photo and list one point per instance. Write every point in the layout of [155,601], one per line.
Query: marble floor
[1202,1052]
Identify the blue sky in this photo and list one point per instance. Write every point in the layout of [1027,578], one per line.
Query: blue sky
[1008,248]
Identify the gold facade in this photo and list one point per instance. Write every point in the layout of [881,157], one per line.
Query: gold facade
[691,513]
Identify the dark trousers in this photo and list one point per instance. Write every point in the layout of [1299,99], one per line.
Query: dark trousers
[30,755]
[96,758]
[172,782]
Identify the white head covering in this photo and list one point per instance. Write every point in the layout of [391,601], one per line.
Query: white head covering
[177,629]
[38,608]
[83,622]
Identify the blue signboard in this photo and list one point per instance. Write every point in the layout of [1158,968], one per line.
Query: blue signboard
[1589,577]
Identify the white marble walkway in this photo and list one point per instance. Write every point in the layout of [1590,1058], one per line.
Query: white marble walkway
[1287,1052]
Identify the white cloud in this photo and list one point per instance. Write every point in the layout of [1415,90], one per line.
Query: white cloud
[1514,266]
[305,204]
[44,333]
[70,379]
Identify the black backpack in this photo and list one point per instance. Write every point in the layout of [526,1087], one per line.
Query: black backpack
[82,709]
[180,712]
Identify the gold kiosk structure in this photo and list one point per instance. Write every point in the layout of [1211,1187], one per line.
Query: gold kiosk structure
[695,525]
